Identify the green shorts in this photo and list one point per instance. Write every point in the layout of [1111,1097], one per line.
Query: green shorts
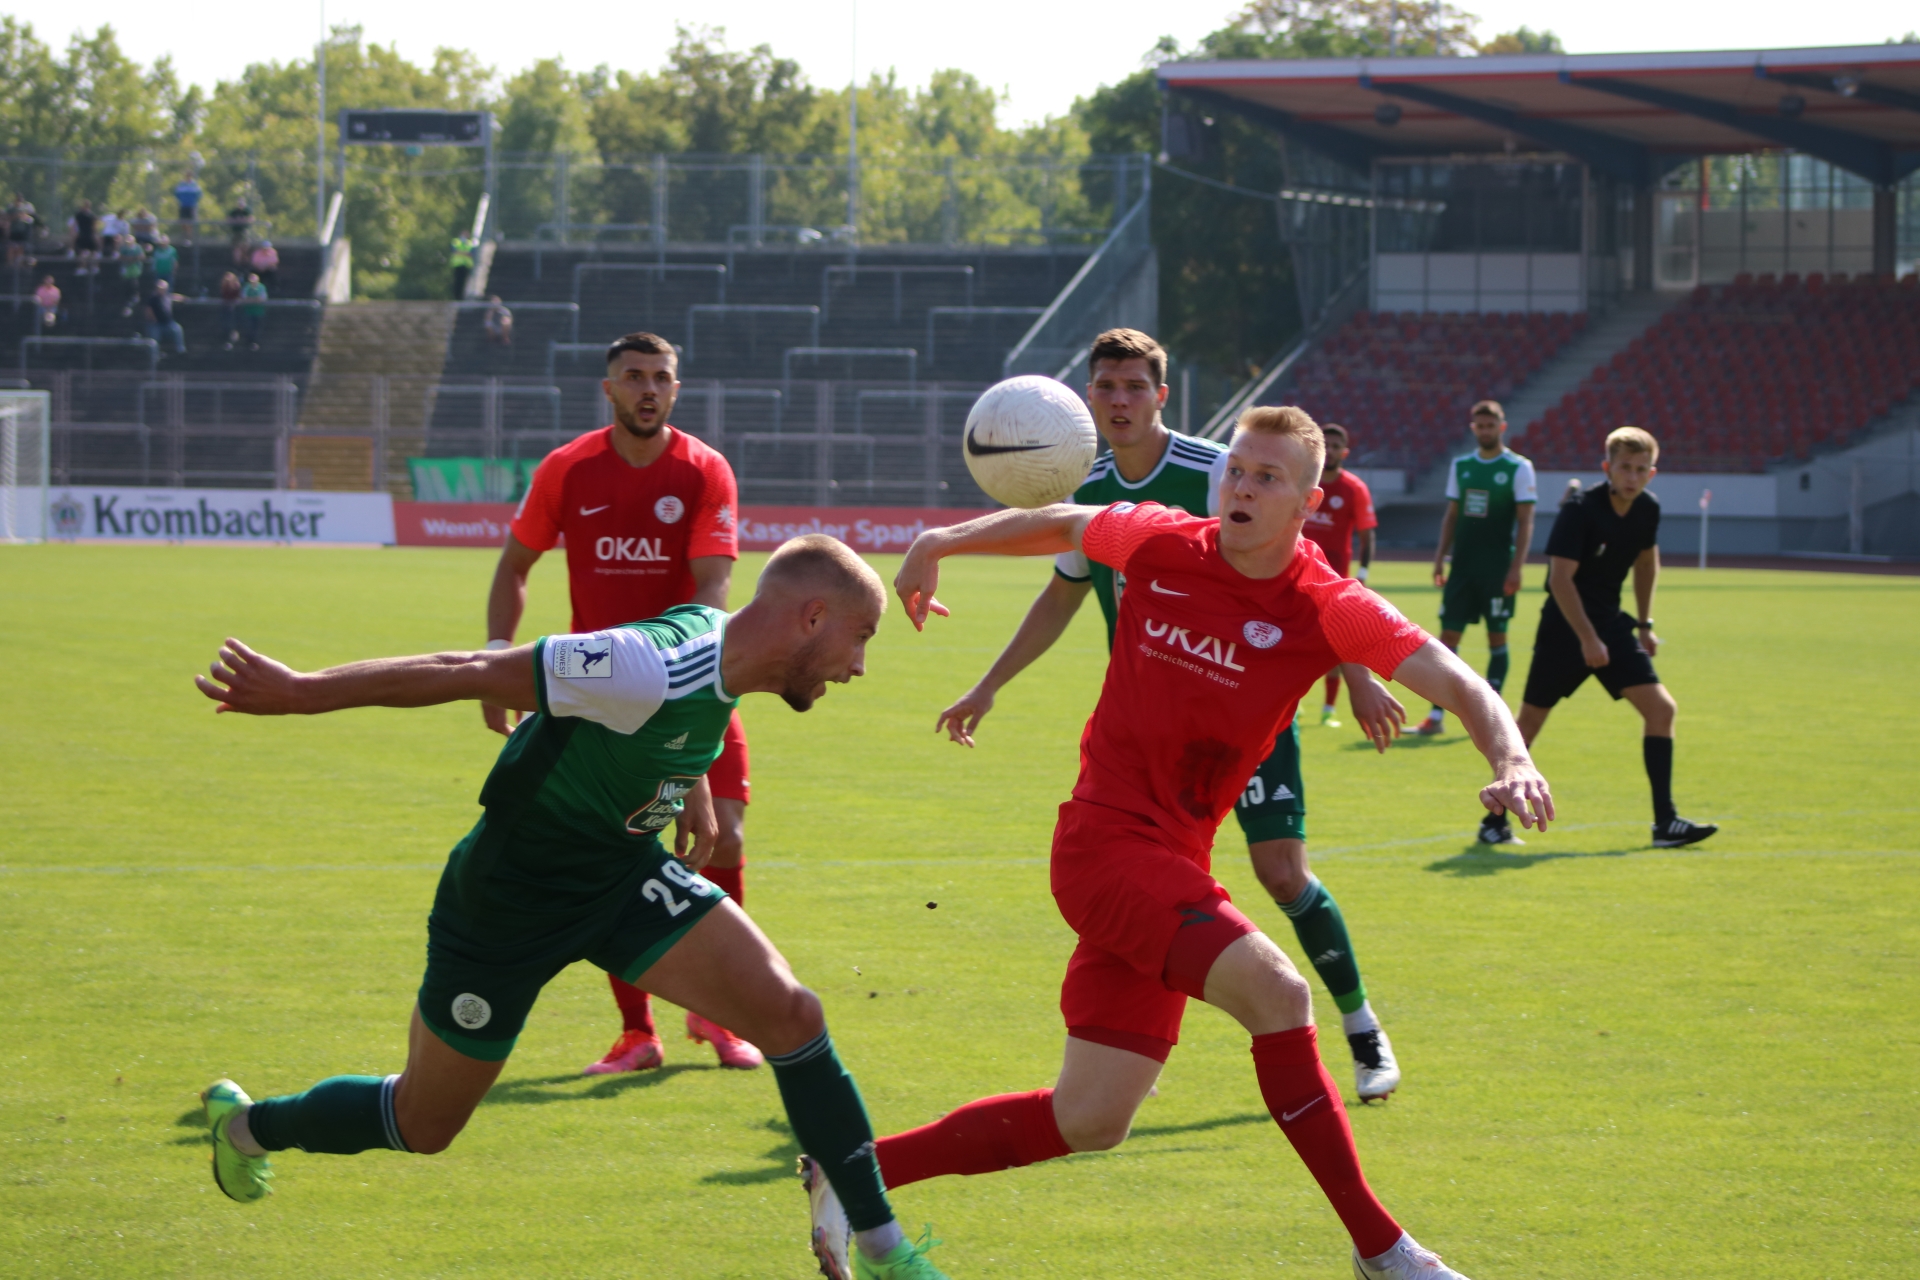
[1274,805]
[484,973]
[1469,597]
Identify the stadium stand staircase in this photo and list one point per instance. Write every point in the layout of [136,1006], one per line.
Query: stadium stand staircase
[1402,382]
[1606,335]
[1750,374]
[404,341]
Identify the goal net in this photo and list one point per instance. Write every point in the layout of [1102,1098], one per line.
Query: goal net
[23,465]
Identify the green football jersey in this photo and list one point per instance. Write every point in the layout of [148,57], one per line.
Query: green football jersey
[1187,477]
[1489,491]
[630,720]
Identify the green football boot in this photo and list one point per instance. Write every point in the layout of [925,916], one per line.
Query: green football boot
[906,1261]
[241,1176]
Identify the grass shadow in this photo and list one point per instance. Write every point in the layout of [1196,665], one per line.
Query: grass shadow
[1201,1126]
[1481,860]
[782,1159]
[1412,741]
[542,1089]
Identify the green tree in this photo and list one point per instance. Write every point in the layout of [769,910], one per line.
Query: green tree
[1523,40]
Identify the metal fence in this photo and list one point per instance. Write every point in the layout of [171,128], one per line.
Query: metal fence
[813,441]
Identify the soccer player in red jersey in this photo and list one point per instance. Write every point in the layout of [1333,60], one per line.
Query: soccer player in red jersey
[1346,509]
[648,514]
[1227,623]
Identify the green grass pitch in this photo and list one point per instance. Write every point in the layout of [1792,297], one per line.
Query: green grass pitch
[1619,1062]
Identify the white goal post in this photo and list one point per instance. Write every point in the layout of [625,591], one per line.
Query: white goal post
[24,461]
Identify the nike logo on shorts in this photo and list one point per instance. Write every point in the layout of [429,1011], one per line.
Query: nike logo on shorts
[1288,1117]
[1165,591]
[593,511]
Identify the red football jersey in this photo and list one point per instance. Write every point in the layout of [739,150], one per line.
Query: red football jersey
[1208,664]
[1346,509]
[630,530]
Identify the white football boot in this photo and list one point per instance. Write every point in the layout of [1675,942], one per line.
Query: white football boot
[1375,1072]
[1405,1261]
[831,1230]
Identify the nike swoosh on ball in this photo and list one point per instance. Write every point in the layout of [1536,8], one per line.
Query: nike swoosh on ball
[979,450]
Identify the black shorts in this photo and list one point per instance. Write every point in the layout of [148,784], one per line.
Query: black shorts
[1559,667]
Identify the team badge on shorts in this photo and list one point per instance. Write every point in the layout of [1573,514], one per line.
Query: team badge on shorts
[1261,635]
[471,1012]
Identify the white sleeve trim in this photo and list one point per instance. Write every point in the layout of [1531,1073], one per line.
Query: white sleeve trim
[1073,564]
[1215,474]
[615,678]
[1453,480]
[1526,487]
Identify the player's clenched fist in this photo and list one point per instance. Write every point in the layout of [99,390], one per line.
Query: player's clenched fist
[1521,791]
[250,682]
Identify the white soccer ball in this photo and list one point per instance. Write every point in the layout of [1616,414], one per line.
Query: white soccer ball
[1029,441]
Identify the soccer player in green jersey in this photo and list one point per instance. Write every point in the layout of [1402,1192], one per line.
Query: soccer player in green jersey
[1488,527]
[567,864]
[1144,461]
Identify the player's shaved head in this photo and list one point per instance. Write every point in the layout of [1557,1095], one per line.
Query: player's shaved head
[816,565]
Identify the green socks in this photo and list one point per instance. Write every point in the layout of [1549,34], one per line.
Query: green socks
[1497,667]
[340,1116]
[1322,931]
[830,1122]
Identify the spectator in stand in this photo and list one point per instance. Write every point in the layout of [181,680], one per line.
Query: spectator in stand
[166,260]
[161,322]
[83,238]
[265,262]
[145,228]
[19,232]
[498,323]
[240,226]
[114,232]
[461,260]
[230,308]
[187,195]
[133,265]
[253,311]
[46,305]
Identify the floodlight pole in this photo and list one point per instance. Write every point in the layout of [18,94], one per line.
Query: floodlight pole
[853,122]
[320,130]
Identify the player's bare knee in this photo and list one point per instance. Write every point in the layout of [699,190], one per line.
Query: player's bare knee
[794,1018]
[730,848]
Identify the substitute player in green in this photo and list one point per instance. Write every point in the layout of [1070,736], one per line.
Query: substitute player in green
[1144,461]
[1488,526]
[566,864]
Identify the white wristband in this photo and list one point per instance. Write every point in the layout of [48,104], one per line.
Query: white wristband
[1361,575]
[499,644]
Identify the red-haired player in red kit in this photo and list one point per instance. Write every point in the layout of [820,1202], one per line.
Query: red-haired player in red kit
[648,513]
[1224,625]
[1346,509]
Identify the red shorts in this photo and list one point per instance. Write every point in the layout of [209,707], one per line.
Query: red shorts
[727,777]
[1151,920]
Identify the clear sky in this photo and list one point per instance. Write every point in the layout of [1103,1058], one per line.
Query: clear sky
[1041,53]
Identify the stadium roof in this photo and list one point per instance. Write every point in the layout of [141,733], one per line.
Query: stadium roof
[1622,113]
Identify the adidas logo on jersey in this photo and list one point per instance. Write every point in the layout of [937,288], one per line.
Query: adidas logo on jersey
[1209,648]
[677,743]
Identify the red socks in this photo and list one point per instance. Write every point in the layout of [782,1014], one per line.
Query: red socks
[636,1009]
[731,879]
[1305,1101]
[1004,1132]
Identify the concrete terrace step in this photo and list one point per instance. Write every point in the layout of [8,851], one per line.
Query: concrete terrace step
[401,340]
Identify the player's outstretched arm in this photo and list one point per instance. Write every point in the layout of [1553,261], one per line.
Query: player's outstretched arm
[1518,787]
[256,685]
[1045,622]
[1044,531]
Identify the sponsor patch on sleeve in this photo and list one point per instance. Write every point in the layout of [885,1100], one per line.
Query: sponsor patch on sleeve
[581,657]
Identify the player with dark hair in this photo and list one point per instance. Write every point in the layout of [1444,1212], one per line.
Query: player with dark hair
[648,514]
[1346,509]
[1598,538]
[1143,461]
[566,864]
[1488,527]
[1239,618]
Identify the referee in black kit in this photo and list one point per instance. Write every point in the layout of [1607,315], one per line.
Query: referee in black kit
[1597,538]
